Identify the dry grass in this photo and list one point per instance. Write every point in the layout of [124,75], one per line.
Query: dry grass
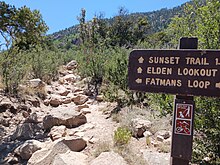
[103,147]
[130,156]
[29,91]
[1,83]
[164,148]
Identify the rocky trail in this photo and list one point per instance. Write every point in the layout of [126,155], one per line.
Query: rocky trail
[70,127]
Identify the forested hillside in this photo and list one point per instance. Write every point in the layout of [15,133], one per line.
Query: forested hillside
[101,47]
[158,21]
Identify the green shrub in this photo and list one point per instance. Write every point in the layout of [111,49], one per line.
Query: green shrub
[122,136]
[13,67]
[161,102]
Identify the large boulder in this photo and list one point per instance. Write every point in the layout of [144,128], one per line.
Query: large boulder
[27,131]
[74,143]
[61,146]
[109,158]
[70,157]
[26,150]
[139,126]
[64,116]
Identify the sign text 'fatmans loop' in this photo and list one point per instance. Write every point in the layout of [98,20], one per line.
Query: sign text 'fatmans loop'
[191,72]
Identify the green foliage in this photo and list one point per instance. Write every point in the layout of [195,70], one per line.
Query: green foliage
[161,102]
[18,66]
[208,126]
[122,136]
[21,27]
[44,64]
[202,20]
[116,68]
[13,68]
[198,20]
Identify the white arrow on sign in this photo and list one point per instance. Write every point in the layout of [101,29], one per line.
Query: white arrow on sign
[217,85]
[139,70]
[139,81]
[141,60]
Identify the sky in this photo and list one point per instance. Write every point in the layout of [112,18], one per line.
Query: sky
[61,14]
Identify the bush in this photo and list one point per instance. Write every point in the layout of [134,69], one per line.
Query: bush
[122,136]
[161,102]
[14,67]
[207,128]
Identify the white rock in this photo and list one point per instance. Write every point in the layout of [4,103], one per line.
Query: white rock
[64,116]
[147,134]
[155,158]
[47,156]
[165,134]
[34,83]
[109,158]
[57,132]
[139,126]
[70,158]
[160,138]
[61,90]
[71,78]
[71,65]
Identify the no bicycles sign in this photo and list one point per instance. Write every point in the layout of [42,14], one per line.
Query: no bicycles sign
[183,120]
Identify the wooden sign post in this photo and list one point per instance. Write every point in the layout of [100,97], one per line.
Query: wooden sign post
[183,119]
[186,72]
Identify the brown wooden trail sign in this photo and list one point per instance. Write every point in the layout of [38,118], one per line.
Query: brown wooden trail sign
[188,72]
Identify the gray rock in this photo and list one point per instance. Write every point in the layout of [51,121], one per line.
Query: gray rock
[64,116]
[156,158]
[70,158]
[57,132]
[109,158]
[26,150]
[71,78]
[35,83]
[165,134]
[139,126]
[147,134]
[47,155]
[27,131]
[160,138]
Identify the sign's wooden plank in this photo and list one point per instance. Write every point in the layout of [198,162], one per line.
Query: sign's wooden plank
[188,72]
